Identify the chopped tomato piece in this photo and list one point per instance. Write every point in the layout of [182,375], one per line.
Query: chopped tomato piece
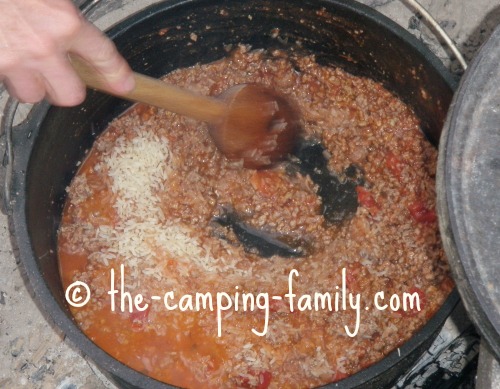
[420,213]
[421,296]
[243,383]
[263,380]
[144,111]
[353,274]
[447,285]
[366,199]
[139,319]
[339,376]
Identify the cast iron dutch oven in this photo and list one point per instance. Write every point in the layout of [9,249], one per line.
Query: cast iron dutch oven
[48,145]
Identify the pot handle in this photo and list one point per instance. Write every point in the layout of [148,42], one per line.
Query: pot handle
[439,30]
[6,167]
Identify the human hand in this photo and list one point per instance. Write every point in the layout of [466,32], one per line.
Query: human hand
[35,38]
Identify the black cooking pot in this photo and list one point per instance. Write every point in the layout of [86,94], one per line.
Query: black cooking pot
[48,145]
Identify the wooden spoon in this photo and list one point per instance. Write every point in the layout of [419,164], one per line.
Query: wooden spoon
[247,122]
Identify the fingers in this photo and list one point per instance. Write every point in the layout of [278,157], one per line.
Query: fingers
[62,84]
[36,36]
[25,86]
[93,46]
[53,79]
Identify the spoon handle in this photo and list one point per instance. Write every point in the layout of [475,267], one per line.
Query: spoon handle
[158,93]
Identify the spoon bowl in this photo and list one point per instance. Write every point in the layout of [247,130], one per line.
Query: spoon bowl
[248,122]
[260,127]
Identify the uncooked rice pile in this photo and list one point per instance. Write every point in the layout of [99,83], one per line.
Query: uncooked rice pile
[146,198]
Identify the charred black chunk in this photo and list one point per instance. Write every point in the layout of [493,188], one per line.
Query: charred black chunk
[338,194]
[263,243]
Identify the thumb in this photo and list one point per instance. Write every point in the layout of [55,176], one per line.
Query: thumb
[101,53]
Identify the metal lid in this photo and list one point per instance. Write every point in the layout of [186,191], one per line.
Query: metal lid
[469,190]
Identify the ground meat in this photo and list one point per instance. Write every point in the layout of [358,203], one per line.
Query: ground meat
[150,190]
